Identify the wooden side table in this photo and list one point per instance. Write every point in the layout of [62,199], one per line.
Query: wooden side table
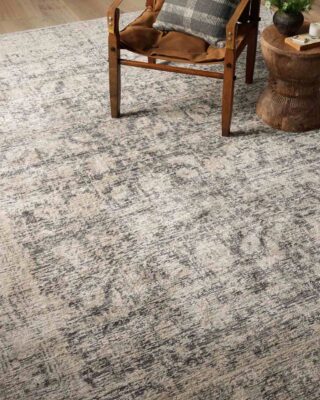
[291,101]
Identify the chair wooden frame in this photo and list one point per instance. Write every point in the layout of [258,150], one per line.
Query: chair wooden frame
[246,14]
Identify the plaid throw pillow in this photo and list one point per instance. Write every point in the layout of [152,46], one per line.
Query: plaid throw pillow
[206,19]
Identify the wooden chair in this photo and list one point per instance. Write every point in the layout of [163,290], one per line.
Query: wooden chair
[241,32]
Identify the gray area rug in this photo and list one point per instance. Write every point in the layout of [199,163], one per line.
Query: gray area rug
[147,257]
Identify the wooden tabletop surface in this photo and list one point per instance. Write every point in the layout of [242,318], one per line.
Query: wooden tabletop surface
[272,39]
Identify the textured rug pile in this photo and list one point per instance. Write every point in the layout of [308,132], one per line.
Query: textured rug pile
[148,257]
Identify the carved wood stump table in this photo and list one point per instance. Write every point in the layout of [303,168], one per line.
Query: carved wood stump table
[291,101]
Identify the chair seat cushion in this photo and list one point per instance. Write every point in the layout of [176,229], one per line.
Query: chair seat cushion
[206,19]
[140,37]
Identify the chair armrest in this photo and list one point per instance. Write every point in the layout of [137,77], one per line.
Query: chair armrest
[150,3]
[231,29]
[113,17]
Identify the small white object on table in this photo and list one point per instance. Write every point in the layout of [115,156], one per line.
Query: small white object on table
[314,29]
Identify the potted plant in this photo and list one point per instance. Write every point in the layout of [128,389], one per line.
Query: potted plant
[288,19]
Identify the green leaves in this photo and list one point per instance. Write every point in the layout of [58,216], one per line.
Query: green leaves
[290,6]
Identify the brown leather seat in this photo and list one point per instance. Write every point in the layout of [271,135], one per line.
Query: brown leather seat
[140,37]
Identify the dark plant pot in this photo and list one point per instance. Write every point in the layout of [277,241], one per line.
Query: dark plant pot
[288,24]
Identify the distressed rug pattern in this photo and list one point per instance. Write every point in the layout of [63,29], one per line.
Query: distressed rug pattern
[147,257]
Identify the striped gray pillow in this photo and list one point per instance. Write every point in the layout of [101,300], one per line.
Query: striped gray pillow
[206,19]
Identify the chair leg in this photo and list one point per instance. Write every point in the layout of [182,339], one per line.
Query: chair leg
[251,56]
[114,79]
[227,94]
[152,60]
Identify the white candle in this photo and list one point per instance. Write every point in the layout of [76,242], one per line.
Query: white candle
[314,29]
